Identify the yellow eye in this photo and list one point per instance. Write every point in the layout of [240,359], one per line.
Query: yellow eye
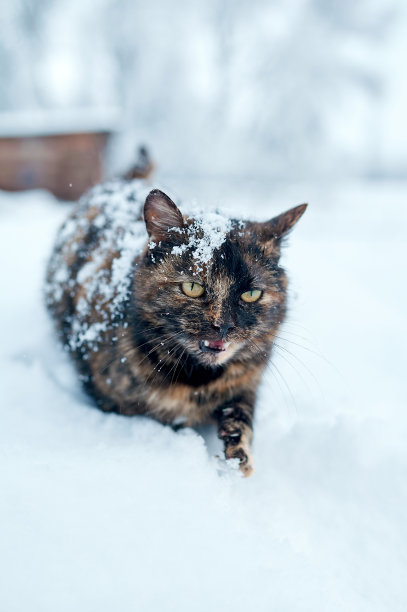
[192,289]
[251,296]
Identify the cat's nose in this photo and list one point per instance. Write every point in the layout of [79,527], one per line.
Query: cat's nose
[223,328]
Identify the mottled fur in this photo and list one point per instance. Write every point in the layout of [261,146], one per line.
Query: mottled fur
[148,360]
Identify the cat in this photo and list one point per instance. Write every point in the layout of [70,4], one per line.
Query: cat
[169,315]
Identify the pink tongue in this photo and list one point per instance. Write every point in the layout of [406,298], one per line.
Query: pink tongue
[217,344]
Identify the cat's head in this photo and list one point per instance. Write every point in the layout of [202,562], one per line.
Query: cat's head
[211,285]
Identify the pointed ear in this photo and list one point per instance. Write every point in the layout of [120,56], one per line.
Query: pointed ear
[281,225]
[160,215]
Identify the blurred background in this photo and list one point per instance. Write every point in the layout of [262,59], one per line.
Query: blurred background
[262,90]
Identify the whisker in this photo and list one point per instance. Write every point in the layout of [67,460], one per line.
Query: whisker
[157,369]
[290,333]
[179,371]
[305,348]
[270,364]
[124,354]
[310,372]
[285,358]
[155,347]
[176,365]
[161,340]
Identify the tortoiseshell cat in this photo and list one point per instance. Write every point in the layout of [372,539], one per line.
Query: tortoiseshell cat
[177,324]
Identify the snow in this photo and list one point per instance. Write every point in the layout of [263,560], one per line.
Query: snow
[101,512]
[118,204]
[47,122]
[206,233]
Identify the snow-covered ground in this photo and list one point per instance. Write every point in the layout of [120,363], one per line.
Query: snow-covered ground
[100,512]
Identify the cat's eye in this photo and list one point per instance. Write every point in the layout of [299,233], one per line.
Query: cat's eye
[252,295]
[192,289]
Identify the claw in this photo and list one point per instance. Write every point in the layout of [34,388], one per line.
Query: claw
[245,459]
[247,470]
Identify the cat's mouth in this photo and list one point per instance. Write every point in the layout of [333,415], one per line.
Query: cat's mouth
[213,346]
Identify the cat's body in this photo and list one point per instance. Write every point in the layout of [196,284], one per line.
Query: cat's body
[178,326]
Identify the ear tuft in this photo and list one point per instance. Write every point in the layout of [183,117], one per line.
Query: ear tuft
[280,225]
[160,215]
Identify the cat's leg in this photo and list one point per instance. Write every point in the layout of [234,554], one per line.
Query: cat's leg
[235,429]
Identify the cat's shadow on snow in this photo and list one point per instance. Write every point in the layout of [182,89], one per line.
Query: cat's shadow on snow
[59,369]
[212,442]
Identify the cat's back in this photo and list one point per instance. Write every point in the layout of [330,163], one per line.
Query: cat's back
[89,269]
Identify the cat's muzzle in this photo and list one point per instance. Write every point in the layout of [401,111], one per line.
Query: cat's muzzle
[213,346]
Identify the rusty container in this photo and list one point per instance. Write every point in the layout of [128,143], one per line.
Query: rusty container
[64,156]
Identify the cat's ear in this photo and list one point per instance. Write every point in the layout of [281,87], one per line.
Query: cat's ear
[279,226]
[160,215]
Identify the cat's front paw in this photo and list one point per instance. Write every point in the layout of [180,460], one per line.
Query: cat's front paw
[244,456]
